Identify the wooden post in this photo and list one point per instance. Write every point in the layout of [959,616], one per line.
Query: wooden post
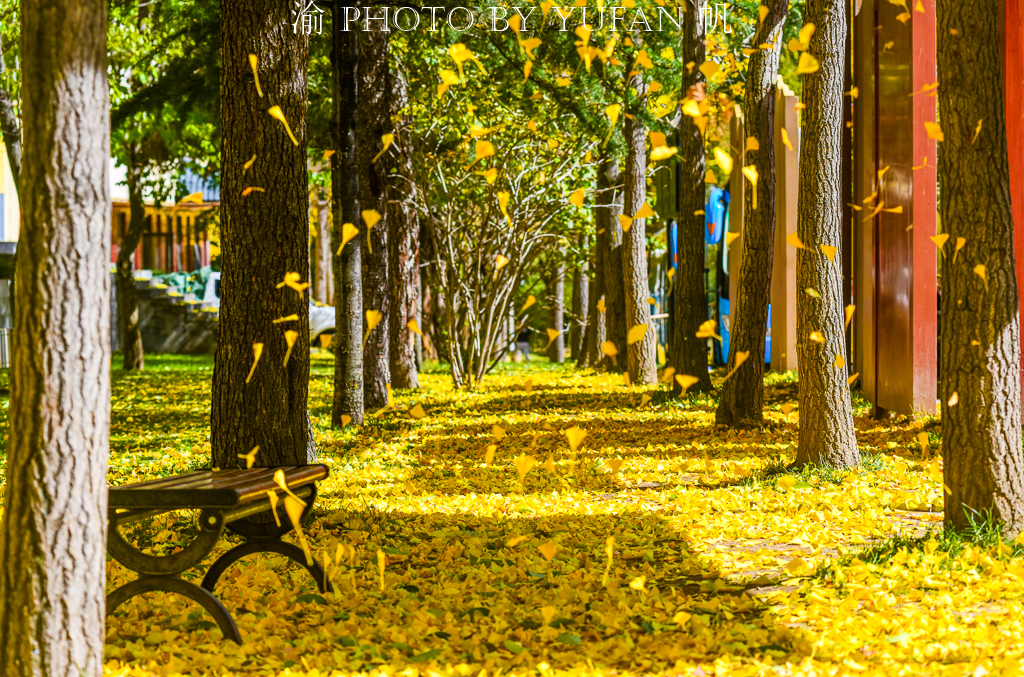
[1013,68]
[787,186]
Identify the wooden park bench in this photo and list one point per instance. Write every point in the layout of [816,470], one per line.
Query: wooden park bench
[227,499]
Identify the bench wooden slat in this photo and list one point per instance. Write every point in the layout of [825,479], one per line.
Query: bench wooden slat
[209,489]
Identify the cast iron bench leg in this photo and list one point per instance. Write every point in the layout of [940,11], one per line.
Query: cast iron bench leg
[181,587]
[289,550]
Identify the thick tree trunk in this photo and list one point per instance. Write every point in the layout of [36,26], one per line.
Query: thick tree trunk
[54,529]
[595,333]
[607,217]
[687,353]
[264,236]
[556,312]
[127,295]
[10,126]
[980,350]
[580,304]
[743,393]
[348,267]
[373,121]
[323,272]
[403,240]
[642,357]
[827,435]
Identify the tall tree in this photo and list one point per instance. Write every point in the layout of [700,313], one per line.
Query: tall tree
[743,393]
[688,354]
[127,295]
[264,237]
[642,359]
[53,535]
[348,267]
[827,435]
[10,127]
[373,120]
[608,209]
[594,333]
[322,259]
[403,243]
[980,350]
[555,284]
[580,301]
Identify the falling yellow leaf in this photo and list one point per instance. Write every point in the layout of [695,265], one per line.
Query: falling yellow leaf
[489,453]
[381,563]
[812,292]
[417,412]
[609,349]
[195,198]
[626,222]
[707,330]
[924,163]
[371,217]
[785,138]
[530,300]
[257,350]
[750,171]
[796,565]
[645,212]
[286,318]
[685,381]
[609,551]
[960,243]
[805,33]
[294,508]
[414,326]
[954,399]
[290,337]
[979,270]
[373,318]
[794,240]
[254,65]
[645,399]
[840,362]
[272,495]
[738,360]
[939,240]
[548,550]
[250,458]
[787,408]
[248,164]
[636,334]
[387,140]
[638,583]
[853,379]
[724,159]
[575,436]
[753,143]
[328,154]
[279,480]
[577,197]
[348,231]
[514,541]
[730,238]
[829,251]
[817,336]
[787,482]
[500,262]
[276,113]
[552,335]
[807,64]
[524,464]
[849,315]
[934,131]
[248,190]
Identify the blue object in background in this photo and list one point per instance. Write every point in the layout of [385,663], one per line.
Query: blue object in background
[722,347]
[673,244]
[1,216]
[714,215]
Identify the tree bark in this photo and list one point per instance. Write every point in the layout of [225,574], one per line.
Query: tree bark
[373,121]
[642,358]
[348,267]
[127,296]
[595,332]
[53,534]
[980,349]
[608,210]
[827,435]
[403,240]
[687,353]
[10,126]
[323,273]
[580,304]
[556,312]
[264,236]
[743,393]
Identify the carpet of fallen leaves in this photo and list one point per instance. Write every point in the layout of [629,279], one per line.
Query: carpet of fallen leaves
[722,563]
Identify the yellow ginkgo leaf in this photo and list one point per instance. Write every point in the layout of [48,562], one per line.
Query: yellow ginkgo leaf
[272,495]
[785,138]
[750,171]
[248,164]
[250,458]
[707,330]
[849,315]
[195,198]
[498,432]
[414,326]
[753,143]
[738,360]
[548,550]
[552,335]
[787,408]
[614,464]
[812,292]
[249,189]
[328,154]
[489,453]
[794,240]
[685,381]
[371,217]
[325,340]
[609,551]
[575,436]
[387,140]
[279,480]
[730,238]
[954,399]
[638,583]
[663,153]
[636,334]
[807,64]
[290,337]
[934,131]
[979,270]
[348,231]
[530,300]
[960,243]
[524,464]
[276,113]
[805,33]
[294,508]
[829,251]
[796,565]
[939,240]
[373,318]
[609,349]
[817,336]
[254,65]
[724,159]
[257,350]
[418,412]
[500,262]
[645,212]
[786,482]
[853,379]
[840,362]
[667,374]
[626,222]
[548,612]
[922,441]
[514,541]
[577,197]
[286,318]
[645,399]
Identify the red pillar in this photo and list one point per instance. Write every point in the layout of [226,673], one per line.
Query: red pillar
[1013,70]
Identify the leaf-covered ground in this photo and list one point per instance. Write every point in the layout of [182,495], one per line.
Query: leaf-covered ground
[722,562]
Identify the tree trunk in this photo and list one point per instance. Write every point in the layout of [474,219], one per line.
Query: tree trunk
[642,357]
[743,393]
[827,435]
[348,267]
[556,312]
[10,126]
[595,333]
[981,437]
[54,528]
[608,210]
[372,121]
[127,295]
[264,236]
[580,304]
[403,237]
[688,354]
[323,273]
